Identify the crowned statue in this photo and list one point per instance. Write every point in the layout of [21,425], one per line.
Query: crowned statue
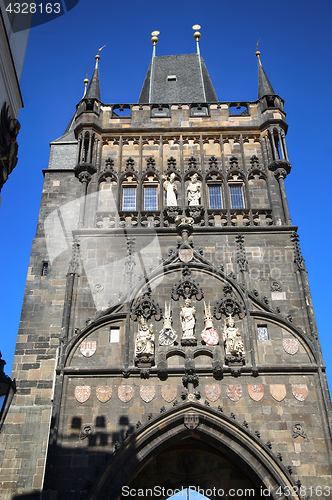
[232,338]
[144,345]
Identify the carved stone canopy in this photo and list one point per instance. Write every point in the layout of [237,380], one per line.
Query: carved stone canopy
[186,287]
[146,307]
[229,305]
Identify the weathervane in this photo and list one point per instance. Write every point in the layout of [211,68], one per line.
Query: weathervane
[257,53]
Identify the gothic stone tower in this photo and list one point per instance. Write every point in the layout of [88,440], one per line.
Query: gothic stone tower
[167,336]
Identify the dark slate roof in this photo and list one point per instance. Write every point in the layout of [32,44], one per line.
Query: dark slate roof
[189,85]
[93,91]
[264,85]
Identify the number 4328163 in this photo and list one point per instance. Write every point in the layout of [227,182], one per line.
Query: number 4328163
[32,8]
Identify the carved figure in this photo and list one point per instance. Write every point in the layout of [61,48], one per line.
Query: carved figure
[144,345]
[167,334]
[194,190]
[232,338]
[9,128]
[187,317]
[171,190]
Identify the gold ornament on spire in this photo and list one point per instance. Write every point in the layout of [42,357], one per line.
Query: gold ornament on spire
[197,34]
[155,38]
[257,53]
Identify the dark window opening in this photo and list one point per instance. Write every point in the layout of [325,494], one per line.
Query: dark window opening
[44,269]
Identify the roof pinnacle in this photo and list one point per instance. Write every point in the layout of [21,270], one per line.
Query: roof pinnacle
[197,35]
[264,85]
[154,41]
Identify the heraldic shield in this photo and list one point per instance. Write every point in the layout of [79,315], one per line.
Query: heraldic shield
[82,393]
[191,421]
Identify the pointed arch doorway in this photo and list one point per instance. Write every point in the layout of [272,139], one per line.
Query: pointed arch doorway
[193,443]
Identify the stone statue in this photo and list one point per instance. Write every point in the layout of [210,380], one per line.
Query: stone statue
[194,191]
[171,190]
[232,338]
[167,335]
[187,316]
[144,345]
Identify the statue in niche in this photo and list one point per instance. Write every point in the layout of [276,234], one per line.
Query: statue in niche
[187,317]
[209,334]
[194,191]
[232,339]
[167,335]
[171,190]
[144,345]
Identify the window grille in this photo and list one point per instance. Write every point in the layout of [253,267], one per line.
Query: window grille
[129,198]
[150,198]
[262,332]
[236,196]
[215,198]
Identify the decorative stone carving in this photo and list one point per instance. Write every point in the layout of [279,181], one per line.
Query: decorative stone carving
[171,190]
[234,392]
[209,334]
[186,254]
[300,391]
[85,432]
[276,287]
[297,430]
[88,348]
[146,307]
[183,220]
[291,346]
[104,393]
[187,317]
[256,391]
[186,288]
[228,305]
[194,191]
[82,393]
[168,393]
[167,335]
[147,392]
[278,391]
[144,345]
[212,392]
[234,348]
[125,393]
[196,212]
[8,145]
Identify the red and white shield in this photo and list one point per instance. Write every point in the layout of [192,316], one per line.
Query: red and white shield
[300,391]
[169,393]
[212,392]
[291,346]
[125,393]
[256,391]
[104,393]
[147,392]
[278,391]
[210,336]
[82,393]
[234,392]
[88,348]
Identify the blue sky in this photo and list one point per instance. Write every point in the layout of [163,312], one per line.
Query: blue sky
[295,44]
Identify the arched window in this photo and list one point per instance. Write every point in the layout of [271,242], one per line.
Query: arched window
[236,193]
[215,191]
[129,193]
[150,191]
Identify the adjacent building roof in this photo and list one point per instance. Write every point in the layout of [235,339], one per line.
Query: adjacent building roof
[176,79]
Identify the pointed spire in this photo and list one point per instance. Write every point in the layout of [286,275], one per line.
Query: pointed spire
[93,91]
[264,85]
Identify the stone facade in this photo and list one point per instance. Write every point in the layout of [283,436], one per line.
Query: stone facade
[104,401]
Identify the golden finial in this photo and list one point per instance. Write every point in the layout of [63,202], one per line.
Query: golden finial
[257,53]
[86,81]
[197,34]
[155,38]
